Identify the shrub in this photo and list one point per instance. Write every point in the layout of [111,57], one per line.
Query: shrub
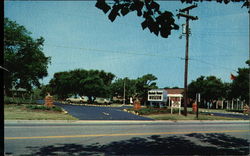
[147,111]
[42,107]
[17,100]
[7,100]
[234,110]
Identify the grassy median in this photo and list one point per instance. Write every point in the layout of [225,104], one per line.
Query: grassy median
[188,117]
[34,112]
[165,114]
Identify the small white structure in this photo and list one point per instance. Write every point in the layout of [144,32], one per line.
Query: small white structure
[157,97]
[174,98]
[175,102]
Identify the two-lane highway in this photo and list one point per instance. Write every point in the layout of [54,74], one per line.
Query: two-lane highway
[126,138]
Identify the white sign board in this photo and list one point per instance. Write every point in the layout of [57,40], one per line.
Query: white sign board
[157,95]
[176,104]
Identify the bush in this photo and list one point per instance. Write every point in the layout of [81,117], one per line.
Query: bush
[147,111]
[7,100]
[234,110]
[42,107]
[17,100]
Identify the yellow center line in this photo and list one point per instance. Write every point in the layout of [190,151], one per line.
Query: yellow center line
[123,134]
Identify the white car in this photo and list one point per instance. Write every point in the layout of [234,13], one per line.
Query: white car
[102,101]
[77,99]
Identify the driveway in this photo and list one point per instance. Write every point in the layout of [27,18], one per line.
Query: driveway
[99,113]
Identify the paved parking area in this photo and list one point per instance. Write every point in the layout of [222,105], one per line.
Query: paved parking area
[99,113]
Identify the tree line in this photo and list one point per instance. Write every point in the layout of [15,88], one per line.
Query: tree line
[98,83]
[213,89]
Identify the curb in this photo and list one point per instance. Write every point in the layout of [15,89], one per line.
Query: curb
[121,121]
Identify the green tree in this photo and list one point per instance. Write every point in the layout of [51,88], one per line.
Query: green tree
[90,83]
[45,89]
[117,87]
[23,57]
[93,86]
[96,84]
[210,88]
[136,88]
[240,85]
[62,85]
[143,85]
[157,21]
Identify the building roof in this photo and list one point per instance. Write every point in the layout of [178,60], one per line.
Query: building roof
[175,91]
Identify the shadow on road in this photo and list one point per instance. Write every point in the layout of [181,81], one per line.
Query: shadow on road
[209,144]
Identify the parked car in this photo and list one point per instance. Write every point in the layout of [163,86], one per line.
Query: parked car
[77,99]
[99,100]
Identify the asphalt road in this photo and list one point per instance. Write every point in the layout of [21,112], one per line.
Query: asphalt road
[126,138]
[99,113]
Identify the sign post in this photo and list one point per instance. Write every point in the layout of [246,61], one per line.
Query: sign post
[176,104]
[198,99]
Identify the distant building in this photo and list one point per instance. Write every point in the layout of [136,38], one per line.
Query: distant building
[157,97]
[165,97]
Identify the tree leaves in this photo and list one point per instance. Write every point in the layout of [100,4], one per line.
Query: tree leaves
[156,21]
[114,12]
[91,83]
[134,87]
[101,4]
[245,4]
[23,57]
[240,86]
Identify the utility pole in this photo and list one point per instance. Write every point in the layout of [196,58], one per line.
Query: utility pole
[124,92]
[187,16]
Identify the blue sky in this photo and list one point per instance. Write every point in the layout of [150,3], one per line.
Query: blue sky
[78,35]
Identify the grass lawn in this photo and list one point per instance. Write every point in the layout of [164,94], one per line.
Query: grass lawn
[189,117]
[21,112]
[164,114]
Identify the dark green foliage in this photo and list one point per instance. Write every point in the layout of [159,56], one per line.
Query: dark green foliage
[156,21]
[149,111]
[235,110]
[17,100]
[210,89]
[144,84]
[45,89]
[42,107]
[240,86]
[23,57]
[117,87]
[136,88]
[91,83]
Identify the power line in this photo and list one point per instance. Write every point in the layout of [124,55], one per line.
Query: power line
[212,64]
[136,53]
[113,51]
[109,51]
